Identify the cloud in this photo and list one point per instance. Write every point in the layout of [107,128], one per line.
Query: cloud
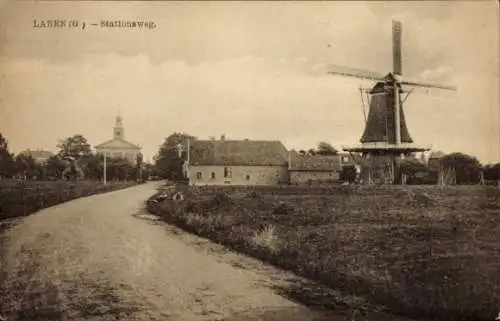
[437,75]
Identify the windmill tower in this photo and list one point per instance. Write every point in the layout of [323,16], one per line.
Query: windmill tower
[386,139]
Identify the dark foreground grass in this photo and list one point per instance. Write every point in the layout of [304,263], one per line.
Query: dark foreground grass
[19,198]
[422,252]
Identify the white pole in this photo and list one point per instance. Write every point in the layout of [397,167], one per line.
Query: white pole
[187,159]
[397,106]
[104,174]
[397,113]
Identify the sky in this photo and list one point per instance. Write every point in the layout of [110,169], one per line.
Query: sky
[255,70]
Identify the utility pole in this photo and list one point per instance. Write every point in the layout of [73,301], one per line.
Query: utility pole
[139,162]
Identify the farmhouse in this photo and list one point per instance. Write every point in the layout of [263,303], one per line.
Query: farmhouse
[236,162]
[40,156]
[118,146]
[308,169]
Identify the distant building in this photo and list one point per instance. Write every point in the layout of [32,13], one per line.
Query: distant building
[434,161]
[351,159]
[308,169]
[40,156]
[236,162]
[118,146]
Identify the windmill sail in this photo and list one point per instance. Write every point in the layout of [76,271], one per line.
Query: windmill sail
[396,48]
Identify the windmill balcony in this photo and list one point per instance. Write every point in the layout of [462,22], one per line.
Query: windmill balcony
[386,146]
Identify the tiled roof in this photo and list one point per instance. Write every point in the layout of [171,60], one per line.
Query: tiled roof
[437,154]
[314,162]
[37,154]
[353,158]
[237,152]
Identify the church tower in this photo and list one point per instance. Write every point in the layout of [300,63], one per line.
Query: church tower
[118,146]
[118,130]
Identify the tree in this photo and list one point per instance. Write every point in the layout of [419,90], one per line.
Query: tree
[170,157]
[467,168]
[26,167]
[120,169]
[492,172]
[75,146]
[325,148]
[92,166]
[54,167]
[311,151]
[7,168]
[147,171]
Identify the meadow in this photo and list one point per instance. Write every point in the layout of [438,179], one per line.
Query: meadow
[23,197]
[424,252]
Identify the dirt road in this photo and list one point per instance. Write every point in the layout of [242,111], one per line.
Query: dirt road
[98,258]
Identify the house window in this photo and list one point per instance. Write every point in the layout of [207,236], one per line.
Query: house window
[227,172]
[213,175]
[198,175]
[248,177]
[345,159]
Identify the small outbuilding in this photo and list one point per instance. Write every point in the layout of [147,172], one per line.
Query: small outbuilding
[310,169]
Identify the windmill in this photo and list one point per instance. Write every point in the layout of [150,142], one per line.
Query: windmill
[386,140]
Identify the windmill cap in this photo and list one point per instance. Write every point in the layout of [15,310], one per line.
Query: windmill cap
[398,78]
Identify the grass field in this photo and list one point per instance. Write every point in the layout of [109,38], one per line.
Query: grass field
[19,198]
[418,251]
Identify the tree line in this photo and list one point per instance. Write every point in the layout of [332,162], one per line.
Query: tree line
[74,160]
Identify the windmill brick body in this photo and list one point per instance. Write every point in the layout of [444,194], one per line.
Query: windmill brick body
[386,139]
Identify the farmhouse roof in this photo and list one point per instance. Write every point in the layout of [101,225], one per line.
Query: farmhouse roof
[314,162]
[37,154]
[437,154]
[237,152]
[353,158]
[117,143]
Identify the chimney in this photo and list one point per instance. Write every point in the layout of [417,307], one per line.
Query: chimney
[223,137]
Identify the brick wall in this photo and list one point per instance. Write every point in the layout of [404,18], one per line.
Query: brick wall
[304,177]
[239,175]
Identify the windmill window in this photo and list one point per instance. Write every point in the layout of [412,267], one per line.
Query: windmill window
[248,177]
[198,175]
[213,175]
[227,172]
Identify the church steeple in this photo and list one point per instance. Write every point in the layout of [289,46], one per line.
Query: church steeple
[118,130]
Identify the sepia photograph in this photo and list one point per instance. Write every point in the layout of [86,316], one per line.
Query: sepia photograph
[249,160]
